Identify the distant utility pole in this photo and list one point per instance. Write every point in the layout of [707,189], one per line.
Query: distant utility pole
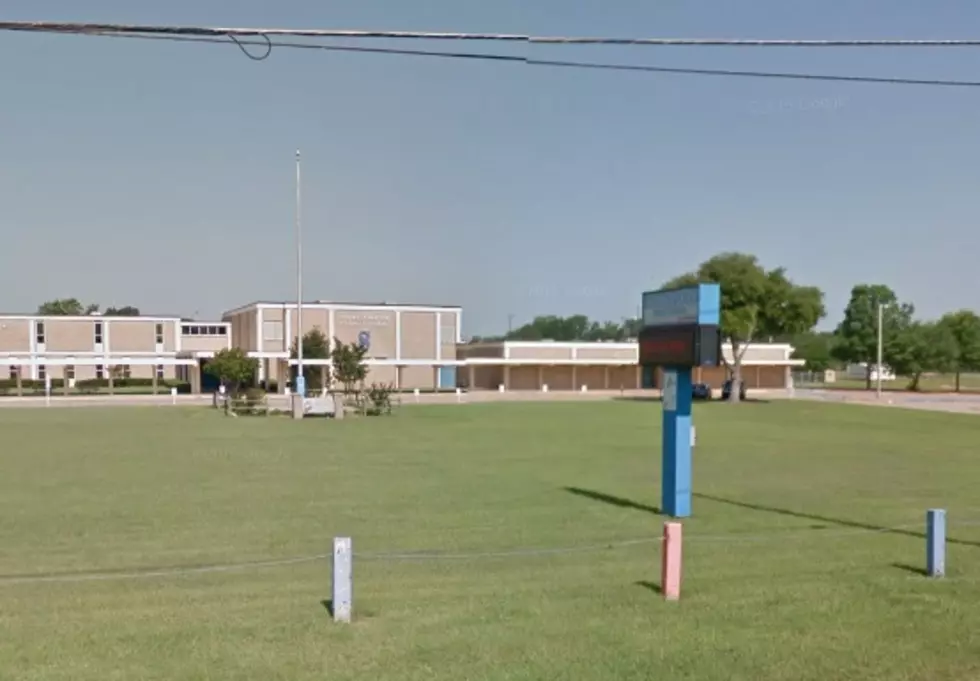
[510,323]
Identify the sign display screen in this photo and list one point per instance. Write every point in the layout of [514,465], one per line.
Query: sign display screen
[691,345]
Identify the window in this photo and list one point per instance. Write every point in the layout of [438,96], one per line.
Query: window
[42,372]
[159,334]
[127,371]
[39,332]
[185,330]
[100,372]
[159,369]
[98,333]
[70,372]
[222,330]
[272,331]
[13,373]
[203,330]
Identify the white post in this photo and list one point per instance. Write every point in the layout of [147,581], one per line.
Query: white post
[343,591]
[173,396]
[416,396]
[300,377]
[881,338]
[459,395]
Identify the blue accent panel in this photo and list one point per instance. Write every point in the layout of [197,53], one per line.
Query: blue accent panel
[447,377]
[676,459]
[936,542]
[709,304]
[301,385]
[649,376]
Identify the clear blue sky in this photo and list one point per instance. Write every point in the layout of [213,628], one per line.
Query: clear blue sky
[161,175]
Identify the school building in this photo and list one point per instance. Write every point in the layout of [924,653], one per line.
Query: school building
[37,348]
[408,346]
[546,365]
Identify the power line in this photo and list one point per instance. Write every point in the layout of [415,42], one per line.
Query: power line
[74,27]
[268,45]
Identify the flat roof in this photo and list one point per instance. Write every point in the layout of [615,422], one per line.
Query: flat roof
[340,303]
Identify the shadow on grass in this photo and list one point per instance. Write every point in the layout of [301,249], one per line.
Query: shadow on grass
[911,568]
[654,398]
[650,586]
[842,522]
[612,501]
[328,605]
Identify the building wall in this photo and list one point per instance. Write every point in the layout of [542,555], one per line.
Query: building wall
[15,335]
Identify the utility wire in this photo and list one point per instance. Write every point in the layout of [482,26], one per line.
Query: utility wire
[267,44]
[73,27]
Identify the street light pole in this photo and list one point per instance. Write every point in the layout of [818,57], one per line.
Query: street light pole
[300,378]
[881,338]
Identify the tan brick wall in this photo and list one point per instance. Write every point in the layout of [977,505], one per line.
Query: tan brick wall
[606,353]
[70,335]
[593,377]
[421,377]
[558,377]
[418,335]
[542,352]
[15,335]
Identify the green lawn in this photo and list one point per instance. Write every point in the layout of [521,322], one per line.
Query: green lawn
[786,576]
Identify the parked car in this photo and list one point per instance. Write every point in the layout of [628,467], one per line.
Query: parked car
[726,390]
[701,391]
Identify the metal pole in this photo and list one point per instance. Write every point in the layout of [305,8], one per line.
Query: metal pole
[881,338]
[300,378]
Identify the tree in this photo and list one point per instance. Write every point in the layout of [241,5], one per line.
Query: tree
[125,311]
[348,364]
[66,307]
[919,347]
[964,325]
[233,368]
[857,335]
[315,346]
[755,303]
[574,328]
[815,348]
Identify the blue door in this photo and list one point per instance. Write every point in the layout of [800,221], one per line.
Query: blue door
[447,378]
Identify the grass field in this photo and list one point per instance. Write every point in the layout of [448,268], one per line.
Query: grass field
[788,574]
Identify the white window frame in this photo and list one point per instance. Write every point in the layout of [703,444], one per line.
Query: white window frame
[158,331]
[98,333]
[40,333]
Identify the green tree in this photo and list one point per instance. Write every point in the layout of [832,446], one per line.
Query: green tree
[348,364]
[574,328]
[919,347]
[755,303]
[857,335]
[315,346]
[233,368]
[815,348]
[66,307]
[124,311]
[964,325]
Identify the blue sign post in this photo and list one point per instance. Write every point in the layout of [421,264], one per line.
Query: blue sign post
[680,332]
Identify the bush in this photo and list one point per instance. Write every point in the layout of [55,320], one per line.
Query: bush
[379,396]
[249,403]
[92,385]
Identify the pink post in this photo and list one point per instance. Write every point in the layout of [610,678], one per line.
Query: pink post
[670,575]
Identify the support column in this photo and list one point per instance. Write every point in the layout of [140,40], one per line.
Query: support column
[398,378]
[639,378]
[64,380]
[156,380]
[574,377]
[195,379]
[472,377]
[541,377]
[283,375]
[20,381]
[676,443]
[605,378]
[758,377]
[112,379]
[507,378]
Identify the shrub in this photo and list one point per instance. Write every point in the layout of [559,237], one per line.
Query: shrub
[379,396]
